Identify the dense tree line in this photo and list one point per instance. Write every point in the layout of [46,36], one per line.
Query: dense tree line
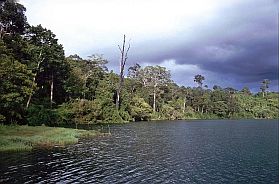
[38,84]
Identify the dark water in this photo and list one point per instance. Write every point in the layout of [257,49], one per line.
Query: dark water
[157,152]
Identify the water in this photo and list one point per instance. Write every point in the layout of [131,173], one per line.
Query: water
[157,152]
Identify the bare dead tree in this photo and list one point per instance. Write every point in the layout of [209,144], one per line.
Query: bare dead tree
[51,90]
[123,59]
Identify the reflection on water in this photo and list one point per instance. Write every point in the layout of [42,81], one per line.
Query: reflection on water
[157,152]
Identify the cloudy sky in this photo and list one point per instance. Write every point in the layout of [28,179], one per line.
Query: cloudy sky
[231,42]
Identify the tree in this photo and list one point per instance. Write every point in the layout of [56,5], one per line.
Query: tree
[36,70]
[197,101]
[231,101]
[219,105]
[187,96]
[154,77]
[264,86]
[15,86]
[216,87]
[246,91]
[123,59]
[74,84]
[139,109]
[13,25]
[105,99]
[133,71]
[52,70]
[133,74]
[12,18]
[198,79]
[93,70]
[84,76]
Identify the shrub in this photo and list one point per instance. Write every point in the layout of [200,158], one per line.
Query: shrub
[38,115]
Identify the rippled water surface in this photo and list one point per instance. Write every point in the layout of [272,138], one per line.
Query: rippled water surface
[157,152]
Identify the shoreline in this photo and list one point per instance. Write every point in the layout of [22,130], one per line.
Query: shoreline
[25,138]
[18,138]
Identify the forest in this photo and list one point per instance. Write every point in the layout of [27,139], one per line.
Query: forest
[40,85]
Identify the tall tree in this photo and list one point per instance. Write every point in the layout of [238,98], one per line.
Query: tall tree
[155,77]
[264,86]
[231,101]
[246,91]
[187,96]
[94,71]
[39,59]
[198,79]
[15,86]
[133,74]
[74,84]
[123,59]
[12,18]
[52,68]
[133,71]
[13,25]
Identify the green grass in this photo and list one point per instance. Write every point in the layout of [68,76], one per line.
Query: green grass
[25,138]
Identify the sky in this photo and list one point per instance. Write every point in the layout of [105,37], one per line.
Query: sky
[230,42]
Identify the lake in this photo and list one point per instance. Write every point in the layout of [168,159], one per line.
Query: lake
[222,151]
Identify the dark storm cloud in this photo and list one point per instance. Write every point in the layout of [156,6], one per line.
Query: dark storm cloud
[241,44]
[250,57]
[230,42]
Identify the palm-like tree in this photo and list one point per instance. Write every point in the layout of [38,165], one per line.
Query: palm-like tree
[198,79]
[264,86]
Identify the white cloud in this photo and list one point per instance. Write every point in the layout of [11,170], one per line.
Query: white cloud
[159,29]
[94,24]
[221,53]
[182,73]
[174,67]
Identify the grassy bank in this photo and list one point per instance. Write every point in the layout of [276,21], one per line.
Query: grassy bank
[19,138]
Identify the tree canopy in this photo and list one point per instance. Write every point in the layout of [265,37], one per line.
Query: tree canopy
[39,85]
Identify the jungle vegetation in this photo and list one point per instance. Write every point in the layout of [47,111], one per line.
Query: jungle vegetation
[39,85]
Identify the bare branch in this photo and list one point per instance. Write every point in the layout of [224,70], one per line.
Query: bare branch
[120,48]
[126,54]
[123,59]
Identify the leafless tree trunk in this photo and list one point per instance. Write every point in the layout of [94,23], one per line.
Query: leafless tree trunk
[34,79]
[1,31]
[84,85]
[184,105]
[123,59]
[154,99]
[51,91]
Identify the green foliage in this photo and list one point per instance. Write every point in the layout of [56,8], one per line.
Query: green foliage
[15,86]
[12,18]
[79,112]
[39,114]
[264,86]
[198,79]
[168,112]
[189,113]
[153,78]
[172,110]
[73,90]
[53,70]
[25,138]
[111,115]
[74,84]
[84,76]
[220,108]
[258,107]
[139,109]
